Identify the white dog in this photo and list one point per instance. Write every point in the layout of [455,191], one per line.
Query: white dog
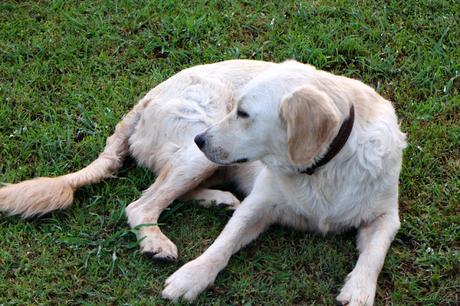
[330,151]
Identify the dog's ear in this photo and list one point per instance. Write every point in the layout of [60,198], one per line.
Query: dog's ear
[311,118]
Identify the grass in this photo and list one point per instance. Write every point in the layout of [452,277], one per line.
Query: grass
[70,70]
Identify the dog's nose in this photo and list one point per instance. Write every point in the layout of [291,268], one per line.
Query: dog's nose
[200,141]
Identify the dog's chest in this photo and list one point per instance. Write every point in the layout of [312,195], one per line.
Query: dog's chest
[327,208]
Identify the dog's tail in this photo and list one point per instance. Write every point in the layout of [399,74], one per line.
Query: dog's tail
[44,194]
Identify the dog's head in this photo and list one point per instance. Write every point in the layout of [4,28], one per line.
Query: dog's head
[273,120]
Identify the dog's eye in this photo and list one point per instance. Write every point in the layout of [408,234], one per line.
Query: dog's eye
[242,114]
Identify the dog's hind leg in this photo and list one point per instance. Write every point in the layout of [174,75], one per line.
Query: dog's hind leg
[184,171]
[208,197]
[42,195]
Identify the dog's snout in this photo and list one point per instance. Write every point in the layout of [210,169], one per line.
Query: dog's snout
[200,141]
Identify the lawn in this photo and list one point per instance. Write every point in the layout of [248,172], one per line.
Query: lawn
[69,70]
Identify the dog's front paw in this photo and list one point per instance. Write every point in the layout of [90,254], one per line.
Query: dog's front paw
[156,246]
[189,281]
[358,290]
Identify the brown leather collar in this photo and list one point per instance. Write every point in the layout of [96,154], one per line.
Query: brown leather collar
[337,143]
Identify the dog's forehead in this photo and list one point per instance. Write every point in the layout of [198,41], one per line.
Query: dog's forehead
[257,103]
[260,93]
[273,85]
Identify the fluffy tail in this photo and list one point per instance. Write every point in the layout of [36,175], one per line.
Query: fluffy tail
[42,195]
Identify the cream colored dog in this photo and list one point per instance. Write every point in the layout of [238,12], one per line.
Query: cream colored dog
[332,152]
[312,150]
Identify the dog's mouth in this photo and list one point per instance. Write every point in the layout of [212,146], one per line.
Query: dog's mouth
[215,158]
[226,163]
[220,156]
[237,161]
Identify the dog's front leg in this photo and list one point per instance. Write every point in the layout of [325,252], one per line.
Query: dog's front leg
[250,219]
[374,240]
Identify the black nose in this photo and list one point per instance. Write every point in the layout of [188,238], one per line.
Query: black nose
[200,141]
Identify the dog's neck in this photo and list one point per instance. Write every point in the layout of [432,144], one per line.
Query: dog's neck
[336,145]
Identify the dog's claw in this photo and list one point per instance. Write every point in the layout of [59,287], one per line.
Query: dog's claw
[149,255]
[156,246]
[223,205]
[154,256]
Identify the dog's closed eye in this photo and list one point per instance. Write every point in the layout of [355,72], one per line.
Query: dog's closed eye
[242,114]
